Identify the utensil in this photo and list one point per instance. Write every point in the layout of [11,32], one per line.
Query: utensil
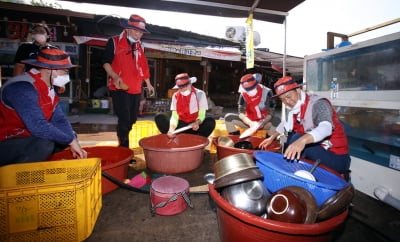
[250,196]
[248,132]
[176,131]
[308,174]
[209,177]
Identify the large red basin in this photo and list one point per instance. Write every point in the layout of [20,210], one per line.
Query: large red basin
[223,151]
[114,161]
[237,225]
[166,155]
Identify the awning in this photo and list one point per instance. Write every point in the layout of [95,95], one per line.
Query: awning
[274,11]
[219,53]
[90,40]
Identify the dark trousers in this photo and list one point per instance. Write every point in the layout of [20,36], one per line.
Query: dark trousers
[27,149]
[339,163]
[205,129]
[126,108]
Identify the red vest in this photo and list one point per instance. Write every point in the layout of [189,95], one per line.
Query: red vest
[124,64]
[337,142]
[182,107]
[11,125]
[253,113]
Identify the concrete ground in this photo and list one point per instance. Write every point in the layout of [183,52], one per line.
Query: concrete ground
[125,215]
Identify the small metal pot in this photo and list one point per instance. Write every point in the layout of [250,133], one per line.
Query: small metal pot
[250,196]
[225,141]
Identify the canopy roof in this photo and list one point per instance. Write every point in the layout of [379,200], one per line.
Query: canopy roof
[267,10]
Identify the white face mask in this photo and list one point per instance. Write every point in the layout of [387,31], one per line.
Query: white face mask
[132,40]
[252,92]
[60,81]
[186,92]
[40,38]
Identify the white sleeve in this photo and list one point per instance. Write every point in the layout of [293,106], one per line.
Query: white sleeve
[323,130]
[201,95]
[281,128]
[173,102]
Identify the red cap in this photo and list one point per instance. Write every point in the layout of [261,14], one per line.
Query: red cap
[285,84]
[135,22]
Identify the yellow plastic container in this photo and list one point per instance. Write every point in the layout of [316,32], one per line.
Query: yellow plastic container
[219,130]
[50,201]
[141,129]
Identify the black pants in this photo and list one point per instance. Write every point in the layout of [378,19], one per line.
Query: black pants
[27,149]
[126,108]
[205,129]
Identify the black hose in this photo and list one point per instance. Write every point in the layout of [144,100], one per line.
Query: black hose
[123,185]
[134,189]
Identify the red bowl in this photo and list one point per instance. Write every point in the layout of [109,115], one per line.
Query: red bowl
[114,161]
[181,154]
[223,151]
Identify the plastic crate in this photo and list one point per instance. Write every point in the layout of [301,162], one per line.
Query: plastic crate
[279,173]
[140,130]
[50,201]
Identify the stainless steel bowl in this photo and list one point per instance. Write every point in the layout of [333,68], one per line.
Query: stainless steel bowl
[232,164]
[225,141]
[249,196]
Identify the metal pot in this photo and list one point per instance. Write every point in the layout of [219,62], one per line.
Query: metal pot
[250,196]
[235,169]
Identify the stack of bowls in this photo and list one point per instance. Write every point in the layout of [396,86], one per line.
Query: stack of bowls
[240,181]
[235,169]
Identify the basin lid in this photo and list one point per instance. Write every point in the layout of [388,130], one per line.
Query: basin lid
[170,184]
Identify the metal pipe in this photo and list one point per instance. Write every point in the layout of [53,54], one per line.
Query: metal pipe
[397,20]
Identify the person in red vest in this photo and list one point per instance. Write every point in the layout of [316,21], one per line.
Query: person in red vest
[255,106]
[32,123]
[126,65]
[188,106]
[312,127]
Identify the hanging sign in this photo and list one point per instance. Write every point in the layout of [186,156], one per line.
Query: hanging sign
[249,43]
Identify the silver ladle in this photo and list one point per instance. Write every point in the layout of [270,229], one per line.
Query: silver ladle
[209,177]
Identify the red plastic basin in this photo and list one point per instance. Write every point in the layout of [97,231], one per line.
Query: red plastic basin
[223,151]
[181,154]
[114,161]
[237,225]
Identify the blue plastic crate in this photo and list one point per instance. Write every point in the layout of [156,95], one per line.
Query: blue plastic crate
[279,173]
